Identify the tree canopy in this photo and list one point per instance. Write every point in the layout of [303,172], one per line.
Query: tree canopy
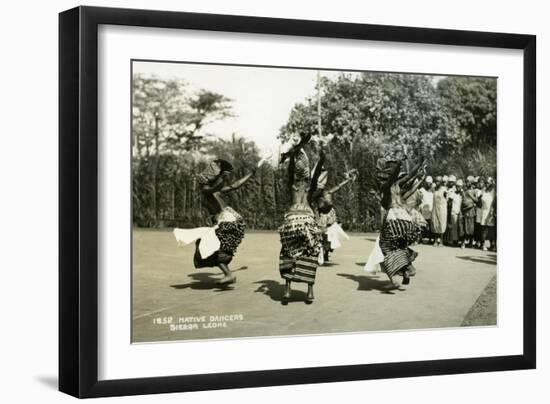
[168,117]
[450,120]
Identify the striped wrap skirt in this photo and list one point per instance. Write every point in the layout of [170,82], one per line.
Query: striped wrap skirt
[300,269]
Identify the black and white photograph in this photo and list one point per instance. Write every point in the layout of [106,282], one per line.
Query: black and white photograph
[287,201]
[275,202]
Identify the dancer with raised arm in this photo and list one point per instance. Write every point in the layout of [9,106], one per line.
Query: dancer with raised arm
[300,234]
[215,246]
[399,230]
[333,234]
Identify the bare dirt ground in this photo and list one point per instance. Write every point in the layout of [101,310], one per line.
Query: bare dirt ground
[452,288]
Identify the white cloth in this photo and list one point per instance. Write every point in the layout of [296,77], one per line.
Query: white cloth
[487,199]
[427,204]
[325,220]
[398,213]
[375,258]
[456,201]
[227,215]
[335,235]
[209,241]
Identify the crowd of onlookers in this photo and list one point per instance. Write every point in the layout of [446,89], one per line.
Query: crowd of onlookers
[456,212]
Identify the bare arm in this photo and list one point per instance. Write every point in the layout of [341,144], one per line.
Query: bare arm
[337,187]
[237,184]
[317,172]
[412,174]
[393,176]
[407,184]
[291,169]
[211,189]
[304,138]
[414,187]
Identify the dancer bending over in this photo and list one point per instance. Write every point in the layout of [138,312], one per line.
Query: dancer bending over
[399,230]
[215,246]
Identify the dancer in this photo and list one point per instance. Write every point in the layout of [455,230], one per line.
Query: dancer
[413,205]
[300,234]
[215,246]
[326,215]
[398,228]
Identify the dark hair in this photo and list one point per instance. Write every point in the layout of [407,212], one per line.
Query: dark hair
[224,165]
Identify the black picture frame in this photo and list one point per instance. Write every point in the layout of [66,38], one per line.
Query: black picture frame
[78,200]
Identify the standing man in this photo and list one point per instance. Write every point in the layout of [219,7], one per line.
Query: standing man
[468,213]
[426,207]
[439,212]
[480,189]
[454,196]
[487,214]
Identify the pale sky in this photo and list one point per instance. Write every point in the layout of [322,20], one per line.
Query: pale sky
[262,97]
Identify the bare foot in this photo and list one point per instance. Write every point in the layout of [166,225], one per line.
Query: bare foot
[286,294]
[227,280]
[309,297]
[391,286]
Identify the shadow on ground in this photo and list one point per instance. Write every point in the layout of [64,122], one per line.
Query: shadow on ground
[275,289]
[488,259]
[206,281]
[367,283]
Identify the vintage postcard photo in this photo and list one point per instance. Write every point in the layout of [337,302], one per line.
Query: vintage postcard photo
[287,201]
